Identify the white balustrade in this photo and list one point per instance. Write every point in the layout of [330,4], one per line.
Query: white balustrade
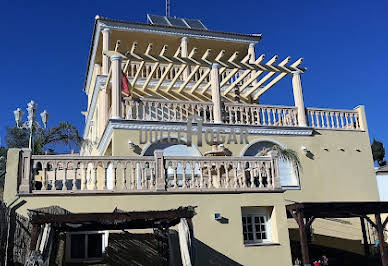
[167,110]
[333,119]
[71,174]
[220,173]
[261,115]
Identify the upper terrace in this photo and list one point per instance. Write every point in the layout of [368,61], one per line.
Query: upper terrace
[175,72]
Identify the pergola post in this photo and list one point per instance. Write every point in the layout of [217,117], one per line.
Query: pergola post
[298,98]
[216,94]
[34,237]
[380,234]
[116,85]
[105,47]
[252,59]
[185,54]
[298,215]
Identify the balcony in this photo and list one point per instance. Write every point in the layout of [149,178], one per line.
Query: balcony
[148,109]
[147,174]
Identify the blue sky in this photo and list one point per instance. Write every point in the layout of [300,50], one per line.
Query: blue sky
[44,50]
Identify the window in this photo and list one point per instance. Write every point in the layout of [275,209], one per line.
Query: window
[287,172]
[81,246]
[255,229]
[257,224]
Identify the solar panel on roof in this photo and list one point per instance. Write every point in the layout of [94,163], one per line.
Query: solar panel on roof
[177,22]
[195,24]
[158,20]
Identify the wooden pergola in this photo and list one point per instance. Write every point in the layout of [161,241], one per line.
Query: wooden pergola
[192,75]
[306,212]
[118,220]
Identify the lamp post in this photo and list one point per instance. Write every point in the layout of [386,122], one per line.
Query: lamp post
[31,120]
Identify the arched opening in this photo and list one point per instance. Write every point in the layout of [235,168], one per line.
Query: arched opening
[183,170]
[288,173]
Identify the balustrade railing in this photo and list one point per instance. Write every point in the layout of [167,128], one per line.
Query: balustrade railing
[167,110]
[261,115]
[333,118]
[71,174]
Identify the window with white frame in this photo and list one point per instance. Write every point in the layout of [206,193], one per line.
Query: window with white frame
[81,246]
[256,225]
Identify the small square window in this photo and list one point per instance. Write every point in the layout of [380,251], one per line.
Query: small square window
[255,228]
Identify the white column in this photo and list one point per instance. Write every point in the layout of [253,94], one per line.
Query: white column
[116,86]
[216,94]
[298,98]
[252,59]
[184,54]
[105,47]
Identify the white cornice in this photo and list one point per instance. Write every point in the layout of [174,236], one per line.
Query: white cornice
[173,31]
[175,126]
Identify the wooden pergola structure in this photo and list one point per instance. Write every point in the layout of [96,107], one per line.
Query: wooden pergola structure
[191,78]
[306,212]
[118,220]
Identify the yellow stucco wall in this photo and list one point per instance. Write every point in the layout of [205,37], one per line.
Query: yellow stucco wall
[226,239]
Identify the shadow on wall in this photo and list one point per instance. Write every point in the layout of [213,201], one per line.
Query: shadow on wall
[145,249]
[205,255]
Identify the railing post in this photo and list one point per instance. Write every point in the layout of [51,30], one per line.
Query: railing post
[159,171]
[116,86]
[276,177]
[298,98]
[362,117]
[25,171]
[216,94]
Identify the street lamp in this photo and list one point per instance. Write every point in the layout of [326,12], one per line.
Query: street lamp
[31,119]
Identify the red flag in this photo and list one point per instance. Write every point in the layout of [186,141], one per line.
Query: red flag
[125,85]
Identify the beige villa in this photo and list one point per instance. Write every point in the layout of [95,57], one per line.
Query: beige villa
[174,121]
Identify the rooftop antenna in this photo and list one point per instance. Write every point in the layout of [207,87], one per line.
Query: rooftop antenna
[168,8]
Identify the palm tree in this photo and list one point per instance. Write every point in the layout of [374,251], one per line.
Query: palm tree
[284,154]
[45,140]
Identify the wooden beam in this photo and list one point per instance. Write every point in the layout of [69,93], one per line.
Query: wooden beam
[380,233]
[364,237]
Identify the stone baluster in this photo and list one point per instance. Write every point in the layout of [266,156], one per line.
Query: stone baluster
[114,172]
[235,175]
[174,168]
[322,119]
[210,177]
[124,182]
[95,168]
[75,167]
[252,174]
[193,180]
[201,180]
[218,169]
[133,175]
[44,176]
[105,165]
[227,178]
[84,185]
[64,180]
[261,167]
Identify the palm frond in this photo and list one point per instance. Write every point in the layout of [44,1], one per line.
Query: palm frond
[287,155]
